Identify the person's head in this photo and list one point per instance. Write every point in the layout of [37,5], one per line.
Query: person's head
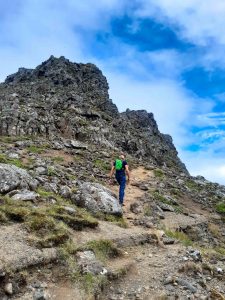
[122,156]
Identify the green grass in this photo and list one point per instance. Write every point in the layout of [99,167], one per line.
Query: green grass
[52,171]
[58,159]
[103,249]
[157,196]
[13,161]
[120,221]
[158,173]
[192,185]
[220,250]
[220,207]
[36,149]
[181,236]
[147,211]
[102,164]
[80,220]
[12,139]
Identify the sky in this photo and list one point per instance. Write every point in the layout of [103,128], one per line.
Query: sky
[164,56]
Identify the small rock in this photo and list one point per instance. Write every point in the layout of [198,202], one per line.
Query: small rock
[8,288]
[40,295]
[70,210]
[41,171]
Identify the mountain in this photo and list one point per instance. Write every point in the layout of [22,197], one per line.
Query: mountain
[61,99]
[63,234]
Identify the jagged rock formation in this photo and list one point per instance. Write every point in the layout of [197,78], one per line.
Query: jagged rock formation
[64,99]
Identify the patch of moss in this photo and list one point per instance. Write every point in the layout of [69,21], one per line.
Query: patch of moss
[158,173]
[181,236]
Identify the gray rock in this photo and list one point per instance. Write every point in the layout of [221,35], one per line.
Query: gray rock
[78,145]
[13,155]
[70,210]
[40,295]
[13,177]
[166,207]
[41,171]
[65,192]
[186,284]
[97,198]
[25,195]
[88,263]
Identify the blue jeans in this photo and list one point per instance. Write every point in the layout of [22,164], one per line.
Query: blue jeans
[121,179]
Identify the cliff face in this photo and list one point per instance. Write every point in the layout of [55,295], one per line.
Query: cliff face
[60,99]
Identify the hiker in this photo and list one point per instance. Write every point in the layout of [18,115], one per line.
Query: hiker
[121,167]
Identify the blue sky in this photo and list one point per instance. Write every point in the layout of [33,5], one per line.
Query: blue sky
[165,56]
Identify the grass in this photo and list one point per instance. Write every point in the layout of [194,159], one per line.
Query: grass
[157,196]
[13,161]
[58,159]
[49,224]
[220,250]
[192,185]
[147,211]
[36,149]
[52,171]
[49,231]
[46,194]
[102,164]
[181,236]
[12,139]
[120,221]
[78,221]
[158,173]
[220,207]
[103,249]
[214,230]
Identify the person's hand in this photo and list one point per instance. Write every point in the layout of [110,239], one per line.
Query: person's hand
[110,181]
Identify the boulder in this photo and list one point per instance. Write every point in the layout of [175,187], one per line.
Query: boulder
[25,195]
[88,264]
[13,178]
[96,198]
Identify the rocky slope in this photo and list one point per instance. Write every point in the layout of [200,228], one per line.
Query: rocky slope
[62,233]
[61,99]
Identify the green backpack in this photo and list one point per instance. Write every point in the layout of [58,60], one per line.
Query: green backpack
[119,164]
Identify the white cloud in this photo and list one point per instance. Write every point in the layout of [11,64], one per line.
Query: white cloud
[205,163]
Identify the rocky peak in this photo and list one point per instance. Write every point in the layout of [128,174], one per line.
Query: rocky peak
[61,99]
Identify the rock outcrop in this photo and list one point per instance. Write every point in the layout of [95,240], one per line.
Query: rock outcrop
[13,177]
[64,99]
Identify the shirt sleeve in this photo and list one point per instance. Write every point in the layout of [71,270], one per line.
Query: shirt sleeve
[125,163]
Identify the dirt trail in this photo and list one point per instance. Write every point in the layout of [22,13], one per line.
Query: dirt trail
[133,192]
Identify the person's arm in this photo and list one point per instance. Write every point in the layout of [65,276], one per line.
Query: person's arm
[112,171]
[127,172]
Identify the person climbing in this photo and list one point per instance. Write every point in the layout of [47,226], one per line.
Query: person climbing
[122,169]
